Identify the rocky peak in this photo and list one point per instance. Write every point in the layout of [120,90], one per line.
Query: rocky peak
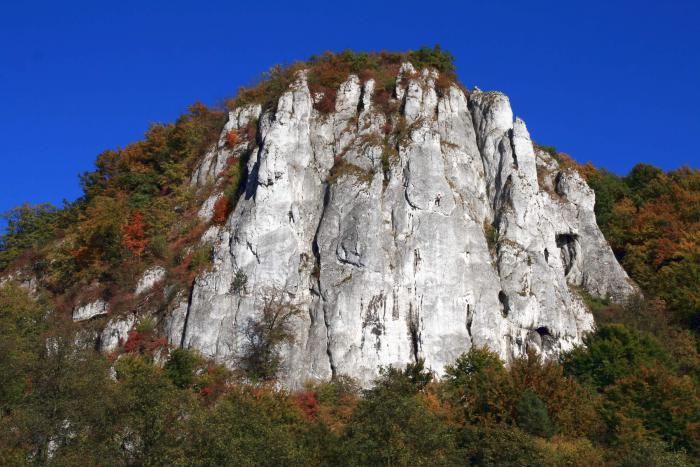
[400,215]
[403,229]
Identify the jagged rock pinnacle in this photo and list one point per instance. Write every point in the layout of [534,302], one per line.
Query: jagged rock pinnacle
[417,244]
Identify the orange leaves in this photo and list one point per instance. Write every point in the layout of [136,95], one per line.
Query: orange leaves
[231,138]
[222,208]
[246,133]
[133,236]
[308,403]
[439,406]
[661,401]
[651,219]
[443,83]
[585,170]
[198,109]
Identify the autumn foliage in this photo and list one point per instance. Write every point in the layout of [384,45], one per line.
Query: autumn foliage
[307,402]
[133,236]
[325,73]
[141,342]
[231,139]
[222,208]
[652,221]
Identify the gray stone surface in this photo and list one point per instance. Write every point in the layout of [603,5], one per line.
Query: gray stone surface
[116,332]
[390,261]
[90,310]
[149,278]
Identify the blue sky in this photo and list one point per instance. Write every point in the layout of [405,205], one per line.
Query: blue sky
[612,82]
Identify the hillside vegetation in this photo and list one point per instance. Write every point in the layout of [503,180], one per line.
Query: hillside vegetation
[629,396]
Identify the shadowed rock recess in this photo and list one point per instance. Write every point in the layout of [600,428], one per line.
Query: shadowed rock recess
[397,245]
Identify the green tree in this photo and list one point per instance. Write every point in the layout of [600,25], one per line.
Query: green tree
[531,415]
[392,426]
[180,367]
[635,446]
[29,227]
[264,336]
[22,323]
[610,353]
[570,406]
[248,427]
[55,393]
[151,412]
[479,384]
[661,402]
[499,444]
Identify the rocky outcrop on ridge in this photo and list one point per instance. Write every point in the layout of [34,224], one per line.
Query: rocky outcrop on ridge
[419,243]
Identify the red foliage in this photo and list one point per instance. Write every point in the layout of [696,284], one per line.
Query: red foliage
[214,384]
[134,342]
[222,208]
[134,238]
[231,138]
[381,97]
[308,403]
[366,75]
[327,103]
[144,342]
[121,300]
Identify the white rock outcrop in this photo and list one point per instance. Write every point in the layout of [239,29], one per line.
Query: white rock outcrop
[90,310]
[149,278]
[389,259]
[115,333]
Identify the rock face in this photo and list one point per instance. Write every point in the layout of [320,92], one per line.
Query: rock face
[90,310]
[418,245]
[149,278]
[115,333]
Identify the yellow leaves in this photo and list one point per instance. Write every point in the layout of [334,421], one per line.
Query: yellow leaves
[102,210]
[566,451]
[438,406]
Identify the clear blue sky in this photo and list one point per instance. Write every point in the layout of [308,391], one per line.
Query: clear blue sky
[607,81]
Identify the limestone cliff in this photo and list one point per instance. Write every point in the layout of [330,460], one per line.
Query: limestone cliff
[449,231]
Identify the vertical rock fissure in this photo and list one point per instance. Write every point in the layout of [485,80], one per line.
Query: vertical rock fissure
[329,352]
[470,318]
[187,315]
[361,100]
[317,276]
[252,180]
[413,332]
[512,150]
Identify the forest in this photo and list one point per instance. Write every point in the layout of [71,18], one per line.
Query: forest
[630,395]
